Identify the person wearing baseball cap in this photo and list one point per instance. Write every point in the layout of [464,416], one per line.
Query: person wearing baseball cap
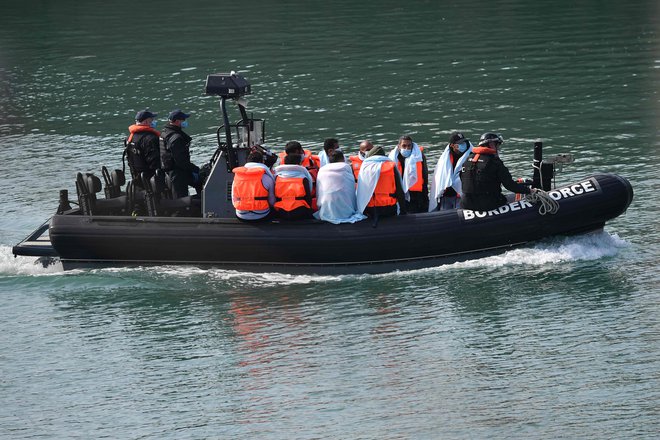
[142,148]
[446,183]
[175,155]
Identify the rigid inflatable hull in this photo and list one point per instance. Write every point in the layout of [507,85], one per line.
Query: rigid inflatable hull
[315,247]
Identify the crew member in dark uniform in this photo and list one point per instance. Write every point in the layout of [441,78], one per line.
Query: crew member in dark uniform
[142,146]
[175,155]
[483,175]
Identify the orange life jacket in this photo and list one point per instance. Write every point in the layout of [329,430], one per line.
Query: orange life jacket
[356,164]
[418,186]
[478,151]
[248,192]
[385,192]
[136,128]
[290,193]
[310,161]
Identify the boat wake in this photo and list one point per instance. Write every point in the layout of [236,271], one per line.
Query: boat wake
[10,265]
[587,247]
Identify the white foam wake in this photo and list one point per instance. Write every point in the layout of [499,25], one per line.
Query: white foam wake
[24,265]
[586,247]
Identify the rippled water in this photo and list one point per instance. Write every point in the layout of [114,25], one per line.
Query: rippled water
[559,339]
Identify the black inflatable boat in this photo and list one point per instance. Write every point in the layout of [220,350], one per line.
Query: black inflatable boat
[204,232]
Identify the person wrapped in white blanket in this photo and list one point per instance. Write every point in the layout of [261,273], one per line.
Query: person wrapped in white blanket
[446,185]
[379,188]
[335,192]
[411,163]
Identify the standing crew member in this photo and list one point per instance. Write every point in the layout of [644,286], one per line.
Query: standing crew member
[142,146]
[483,175]
[175,155]
[411,163]
[253,190]
[446,184]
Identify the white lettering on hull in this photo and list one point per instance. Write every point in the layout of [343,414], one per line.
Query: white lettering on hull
[575,190]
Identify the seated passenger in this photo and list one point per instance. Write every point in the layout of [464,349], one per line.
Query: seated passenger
[329,145]
[411,162]
[335,192]
[379,187]
[356,161]
[253,190]
[483,175]
[309,161]
[446,184]
[293,189]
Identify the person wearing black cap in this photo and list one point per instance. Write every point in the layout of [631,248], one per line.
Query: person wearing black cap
[446,184]
[142,146]
[175,155]
[483,174]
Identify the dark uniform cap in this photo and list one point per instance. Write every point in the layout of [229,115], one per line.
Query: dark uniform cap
[457,138]
[177,114]
[144,114]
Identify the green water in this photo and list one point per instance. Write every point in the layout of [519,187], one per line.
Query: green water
[560,339]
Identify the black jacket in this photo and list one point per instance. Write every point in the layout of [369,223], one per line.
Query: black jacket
[175,151]
[482,182]
[143,153]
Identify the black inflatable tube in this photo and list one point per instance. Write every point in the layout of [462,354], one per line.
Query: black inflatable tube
[405,242]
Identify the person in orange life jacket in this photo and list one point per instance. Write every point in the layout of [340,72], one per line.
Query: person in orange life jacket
[329,145]
[411,162]
[335,189]
[142,146]
[293,189]
[309,161]
[356,160]
[379,188]
[253,190]
[483,175]
[175,155]
[446,183]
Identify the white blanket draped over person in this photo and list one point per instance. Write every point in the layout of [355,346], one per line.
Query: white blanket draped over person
[335,194]
[323,158]
[445,177]
[409,177]
[368,179]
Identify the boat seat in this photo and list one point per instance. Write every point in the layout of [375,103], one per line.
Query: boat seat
[87,186]
[136,198]
[113,182]
[156,193]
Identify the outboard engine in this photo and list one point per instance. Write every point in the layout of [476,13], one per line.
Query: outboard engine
[249,134]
